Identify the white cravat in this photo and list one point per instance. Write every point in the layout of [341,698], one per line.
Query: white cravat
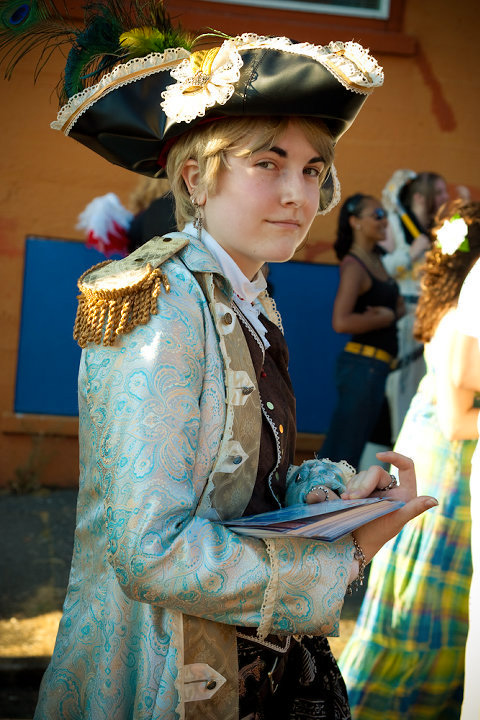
[245,291]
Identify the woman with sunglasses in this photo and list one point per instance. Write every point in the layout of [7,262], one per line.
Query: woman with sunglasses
[366,306]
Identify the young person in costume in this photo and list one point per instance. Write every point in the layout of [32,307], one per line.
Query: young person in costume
[367,305]
[405,658]
[412,200]
[187,414]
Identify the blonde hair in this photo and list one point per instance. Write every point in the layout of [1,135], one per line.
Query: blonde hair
[208,145]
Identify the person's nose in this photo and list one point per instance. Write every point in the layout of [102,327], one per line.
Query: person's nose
[293,189]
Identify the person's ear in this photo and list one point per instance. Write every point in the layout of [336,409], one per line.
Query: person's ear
[191,177]
[354,222]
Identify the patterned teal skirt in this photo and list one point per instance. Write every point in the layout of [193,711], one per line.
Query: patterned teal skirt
[405,659]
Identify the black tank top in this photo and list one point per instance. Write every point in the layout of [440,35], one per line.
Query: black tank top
[381,292]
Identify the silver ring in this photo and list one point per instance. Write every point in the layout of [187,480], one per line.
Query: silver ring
[392,484]
[321,487]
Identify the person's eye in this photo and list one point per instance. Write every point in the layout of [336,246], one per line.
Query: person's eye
[267,164]
[313,171]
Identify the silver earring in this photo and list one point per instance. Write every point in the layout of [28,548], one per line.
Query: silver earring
[198,219]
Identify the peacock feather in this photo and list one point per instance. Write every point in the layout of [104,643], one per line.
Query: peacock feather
[114,31]
[26,26]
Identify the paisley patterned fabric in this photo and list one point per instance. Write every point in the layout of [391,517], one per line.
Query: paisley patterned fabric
[156,586]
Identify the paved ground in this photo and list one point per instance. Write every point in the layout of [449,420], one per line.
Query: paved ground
[36,538]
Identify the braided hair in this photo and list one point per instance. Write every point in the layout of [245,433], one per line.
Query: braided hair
[442,274]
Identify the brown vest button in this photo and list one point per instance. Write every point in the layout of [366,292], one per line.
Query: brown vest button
[227,319]
[211,684]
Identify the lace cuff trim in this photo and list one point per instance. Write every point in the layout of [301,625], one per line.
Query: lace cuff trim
[270,597]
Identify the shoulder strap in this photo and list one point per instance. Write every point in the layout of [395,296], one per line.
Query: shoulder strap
[360,262]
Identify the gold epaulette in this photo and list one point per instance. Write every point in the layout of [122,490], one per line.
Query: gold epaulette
[117,295]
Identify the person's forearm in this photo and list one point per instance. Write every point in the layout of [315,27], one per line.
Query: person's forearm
[356,323]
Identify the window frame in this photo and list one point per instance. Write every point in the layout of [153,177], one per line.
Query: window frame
[322,8]
[380,36]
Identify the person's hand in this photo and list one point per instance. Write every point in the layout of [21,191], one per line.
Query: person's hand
[419,246]
[372,482]
[372,536]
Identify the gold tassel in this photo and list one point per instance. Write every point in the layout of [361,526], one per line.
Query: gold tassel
[105,313]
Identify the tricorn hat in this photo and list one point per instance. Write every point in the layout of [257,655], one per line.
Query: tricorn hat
[147,92]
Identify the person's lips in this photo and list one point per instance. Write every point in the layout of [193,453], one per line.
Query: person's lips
[289,223]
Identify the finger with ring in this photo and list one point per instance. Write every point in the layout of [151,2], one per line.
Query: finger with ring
[321,487]
[392,484]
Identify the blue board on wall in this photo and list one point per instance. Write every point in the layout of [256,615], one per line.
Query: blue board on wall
[48,356]
[304,294]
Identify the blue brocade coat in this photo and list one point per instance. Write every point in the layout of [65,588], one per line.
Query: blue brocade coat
[168,444]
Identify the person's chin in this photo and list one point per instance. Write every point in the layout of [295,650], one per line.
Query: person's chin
[285,253]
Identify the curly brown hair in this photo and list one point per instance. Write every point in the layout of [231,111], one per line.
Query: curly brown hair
[442,274]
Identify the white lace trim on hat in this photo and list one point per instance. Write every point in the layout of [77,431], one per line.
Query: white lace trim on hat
[350,62]
[337,193]
[203,83]
[121,75]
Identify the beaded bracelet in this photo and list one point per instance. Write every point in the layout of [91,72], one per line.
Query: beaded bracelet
[362,564]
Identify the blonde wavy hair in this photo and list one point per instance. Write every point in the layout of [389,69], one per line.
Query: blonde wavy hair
[209,144]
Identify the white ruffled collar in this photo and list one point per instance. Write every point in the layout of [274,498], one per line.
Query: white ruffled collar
[245,291]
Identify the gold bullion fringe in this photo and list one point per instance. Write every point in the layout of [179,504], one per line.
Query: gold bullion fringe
[102,315]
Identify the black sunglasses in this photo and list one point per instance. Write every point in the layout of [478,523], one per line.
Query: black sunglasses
[379,214]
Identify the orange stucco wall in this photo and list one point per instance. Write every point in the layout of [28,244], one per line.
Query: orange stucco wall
[425,117]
